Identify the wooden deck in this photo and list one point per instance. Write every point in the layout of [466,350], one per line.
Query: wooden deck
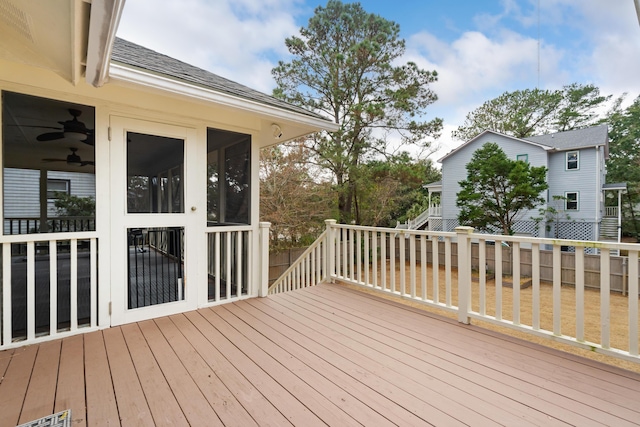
[320,356]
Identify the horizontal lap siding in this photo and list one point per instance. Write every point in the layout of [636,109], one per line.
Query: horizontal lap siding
[454,168]
[582,180]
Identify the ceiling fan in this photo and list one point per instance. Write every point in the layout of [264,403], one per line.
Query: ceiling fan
[72,159]
[71,129]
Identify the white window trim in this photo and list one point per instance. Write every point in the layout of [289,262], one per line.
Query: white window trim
[566,158]
[566,201]
[67,191]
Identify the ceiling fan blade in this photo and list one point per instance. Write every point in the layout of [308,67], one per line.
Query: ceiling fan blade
[90,139]
[54,160]
[50,136]
[87,162]
[37,126]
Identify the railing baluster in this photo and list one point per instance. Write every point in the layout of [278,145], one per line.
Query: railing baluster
[482,277]
[498,278]
[402,263]
[31,292]
[53,287]
[557,290]
[632,299]
[359,256]
[216,268]
[374,258]
[605,289]
[367,252]
[7,335]
[392,262]
[423,267]
[435,266]
[579,254]
[412,264]
[93,267]
[535,282]
[383,258]
[447,270]
[73,243]
[516,283]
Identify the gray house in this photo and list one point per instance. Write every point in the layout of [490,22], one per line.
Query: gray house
[576,172]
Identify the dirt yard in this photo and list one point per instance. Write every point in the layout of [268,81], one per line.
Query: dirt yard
[618,306]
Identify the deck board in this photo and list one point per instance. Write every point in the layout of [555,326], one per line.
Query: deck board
[162,403]
[41,393]
[70,392]
[327,355]
[13,387]
[516,359]
[132,406]
[101,401]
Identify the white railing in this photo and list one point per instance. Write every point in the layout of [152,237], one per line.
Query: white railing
[611,211]
[433,211]
[229,262]
[437,269]
[308,270]
[49,287]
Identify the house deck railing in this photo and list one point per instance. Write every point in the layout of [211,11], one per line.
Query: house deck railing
[472,275]
[49,287]
[433,211]
[308,270]
[611,211]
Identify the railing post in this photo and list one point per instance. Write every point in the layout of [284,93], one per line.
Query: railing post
[464,273]
[264,259]
[330,255]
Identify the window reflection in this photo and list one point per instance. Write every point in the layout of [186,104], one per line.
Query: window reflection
[155,166]
[48,165]
[229,177]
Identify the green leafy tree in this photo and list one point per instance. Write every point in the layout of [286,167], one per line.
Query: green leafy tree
[70,205]
[293,198]
[498,189]
[389,188]
[346,66]
[623,164]
[524,113]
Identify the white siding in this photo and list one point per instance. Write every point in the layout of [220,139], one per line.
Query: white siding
[22,191]
[583,180]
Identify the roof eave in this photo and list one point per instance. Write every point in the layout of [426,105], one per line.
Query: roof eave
[103,24]
[120,72]
[452,152]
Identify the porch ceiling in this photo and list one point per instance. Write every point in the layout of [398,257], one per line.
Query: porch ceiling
[325,355]
[48,34]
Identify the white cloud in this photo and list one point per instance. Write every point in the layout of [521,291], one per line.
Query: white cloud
[239,40]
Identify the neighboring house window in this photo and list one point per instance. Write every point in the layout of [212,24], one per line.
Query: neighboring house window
[571,201]
[523,158]
[573,160]
[57,186]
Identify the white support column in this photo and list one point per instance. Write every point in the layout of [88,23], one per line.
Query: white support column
[464,273]
[264,259]
[330,256]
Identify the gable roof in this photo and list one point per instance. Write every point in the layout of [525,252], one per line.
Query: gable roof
[133,55]
[486,132]
[594,136]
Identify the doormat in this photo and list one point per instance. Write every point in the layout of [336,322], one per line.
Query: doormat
[61,419]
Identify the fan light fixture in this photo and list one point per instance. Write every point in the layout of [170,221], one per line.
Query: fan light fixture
[76,136]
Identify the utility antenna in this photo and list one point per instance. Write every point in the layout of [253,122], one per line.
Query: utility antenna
[538,44]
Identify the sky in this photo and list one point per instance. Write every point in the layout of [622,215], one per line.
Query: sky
[480,48]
